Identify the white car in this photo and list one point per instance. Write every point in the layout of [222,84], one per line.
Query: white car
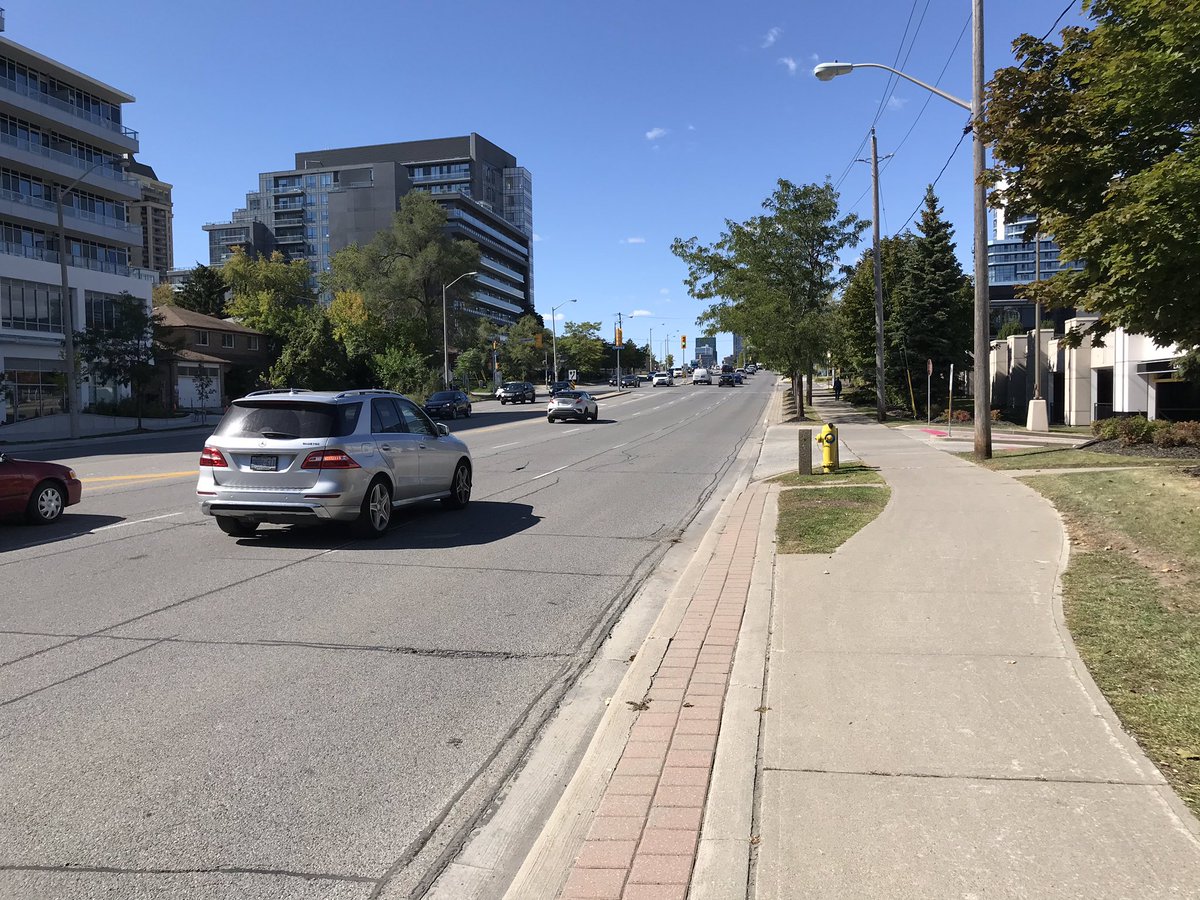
[662,379]
[572,405]
[701,376]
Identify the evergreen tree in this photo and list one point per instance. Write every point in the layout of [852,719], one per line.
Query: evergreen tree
[931,308]
[203,292]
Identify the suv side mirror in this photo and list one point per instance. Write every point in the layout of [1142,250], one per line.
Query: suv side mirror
[443,429]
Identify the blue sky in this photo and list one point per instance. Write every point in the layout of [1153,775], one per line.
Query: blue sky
[640,120]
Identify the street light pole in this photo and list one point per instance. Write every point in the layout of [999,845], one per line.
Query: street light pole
[446,329]
[554,334]
[983,381]
[68,309]
[983,413]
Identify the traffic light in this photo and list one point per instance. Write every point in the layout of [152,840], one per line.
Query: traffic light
[683,341]
[537,340]
[495,345]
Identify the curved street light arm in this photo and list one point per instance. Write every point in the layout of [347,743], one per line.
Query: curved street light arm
[957,101]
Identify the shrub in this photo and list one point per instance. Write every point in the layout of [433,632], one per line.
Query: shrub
[1136,430]
[1177,434]
[1105,429]
[960,415]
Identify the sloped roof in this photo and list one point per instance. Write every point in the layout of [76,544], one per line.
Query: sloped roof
[178,317]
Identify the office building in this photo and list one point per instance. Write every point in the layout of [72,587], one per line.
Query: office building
[333,198]
[737,348]
[153,212]
[60,128]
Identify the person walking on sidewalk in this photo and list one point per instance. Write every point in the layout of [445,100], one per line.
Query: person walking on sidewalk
[837,388]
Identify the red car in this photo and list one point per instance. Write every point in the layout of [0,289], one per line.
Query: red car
[38,490]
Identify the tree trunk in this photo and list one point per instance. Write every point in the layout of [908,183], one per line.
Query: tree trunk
[810,381]
[798,392]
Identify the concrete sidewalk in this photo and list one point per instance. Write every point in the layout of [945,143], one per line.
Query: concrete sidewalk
[929,730]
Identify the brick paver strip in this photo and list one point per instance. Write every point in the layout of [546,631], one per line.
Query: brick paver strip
[642,843]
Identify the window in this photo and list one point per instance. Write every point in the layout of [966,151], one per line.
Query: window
[384,418]
[415,419]
[227,341]
[202,338]
[30,306]
[252,342]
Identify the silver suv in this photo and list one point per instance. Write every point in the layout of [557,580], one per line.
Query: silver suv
[300,457]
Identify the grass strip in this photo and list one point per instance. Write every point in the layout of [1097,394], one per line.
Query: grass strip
[1069,458]
[821,521]
[1132,602]
[852,473]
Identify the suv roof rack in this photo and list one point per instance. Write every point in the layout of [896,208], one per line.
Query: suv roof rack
[358,392]
[286,390]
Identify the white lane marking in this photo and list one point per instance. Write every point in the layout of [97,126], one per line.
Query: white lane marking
[509,444]
[552,471]
[619,446]
[571,430]
[134,522]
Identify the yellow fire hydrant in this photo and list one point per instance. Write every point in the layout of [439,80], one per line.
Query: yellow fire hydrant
[828,439]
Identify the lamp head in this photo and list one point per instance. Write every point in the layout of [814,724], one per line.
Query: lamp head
[831,70]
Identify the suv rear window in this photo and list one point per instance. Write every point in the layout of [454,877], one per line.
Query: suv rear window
[289,420]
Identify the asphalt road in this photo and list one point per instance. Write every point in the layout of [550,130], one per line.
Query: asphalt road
[296,715]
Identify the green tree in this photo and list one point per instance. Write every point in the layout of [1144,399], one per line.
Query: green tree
[772,276]
[122,349]
[473,365]
[203,292]
[1097,138]
[580,347]
[931,315]
[310,356]
[407,370]
[268,292]
[520,357]
[1011,328]
[400,274]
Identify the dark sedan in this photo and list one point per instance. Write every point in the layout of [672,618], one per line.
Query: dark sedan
[38,490]
[448,405]
[726,380]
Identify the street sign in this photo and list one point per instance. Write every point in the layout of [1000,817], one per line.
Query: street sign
[929,367]
[572,374]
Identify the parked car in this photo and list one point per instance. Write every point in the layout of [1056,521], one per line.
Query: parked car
[701,376]
[726,380]
[662,379]
[557,387]
[572,405]
[630,381]
[448,405]
[517,392]
[39,491]
[303,457]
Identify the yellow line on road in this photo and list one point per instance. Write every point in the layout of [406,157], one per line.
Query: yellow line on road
[147,475]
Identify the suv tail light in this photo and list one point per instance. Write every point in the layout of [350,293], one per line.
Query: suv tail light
[329,459]
[211,456]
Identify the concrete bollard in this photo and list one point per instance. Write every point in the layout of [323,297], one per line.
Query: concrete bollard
[806,439]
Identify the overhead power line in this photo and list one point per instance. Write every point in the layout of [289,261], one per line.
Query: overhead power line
[1066,10]
[966,131]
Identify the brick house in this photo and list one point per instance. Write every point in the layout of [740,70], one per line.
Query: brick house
[231,355]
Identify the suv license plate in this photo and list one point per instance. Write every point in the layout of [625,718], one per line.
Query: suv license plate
[264,463]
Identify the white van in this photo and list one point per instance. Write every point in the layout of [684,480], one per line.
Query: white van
[701,376]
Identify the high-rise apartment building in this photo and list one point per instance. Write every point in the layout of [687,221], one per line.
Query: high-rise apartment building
[155,214]
[334,198]
[1012,261]
[62,136]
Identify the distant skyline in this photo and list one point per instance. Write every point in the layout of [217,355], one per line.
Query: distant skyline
[639,122]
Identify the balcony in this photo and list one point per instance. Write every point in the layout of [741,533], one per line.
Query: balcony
[292,189]
[288,204]
[107,128]
[70,167]
[125,229]
[427,179]
[289,238]
[80,262]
